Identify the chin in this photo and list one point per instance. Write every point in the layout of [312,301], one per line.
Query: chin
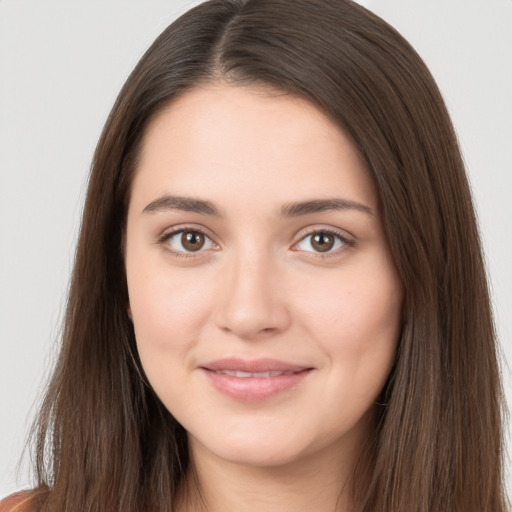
[256,449]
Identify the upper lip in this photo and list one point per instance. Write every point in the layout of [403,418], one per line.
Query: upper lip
[253,366]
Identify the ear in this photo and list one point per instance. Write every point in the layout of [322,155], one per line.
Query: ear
[129,311]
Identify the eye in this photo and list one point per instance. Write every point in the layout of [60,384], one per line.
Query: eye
[187,241]
[322,242]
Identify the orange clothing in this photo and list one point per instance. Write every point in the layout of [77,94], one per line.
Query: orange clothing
[18,502]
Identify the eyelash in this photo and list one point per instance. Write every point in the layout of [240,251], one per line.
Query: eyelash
[346,242]
[182,254]
[329,232]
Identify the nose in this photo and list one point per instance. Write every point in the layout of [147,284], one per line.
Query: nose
[251,302]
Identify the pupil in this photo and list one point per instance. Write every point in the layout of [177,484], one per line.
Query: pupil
[192,240]
[322,242]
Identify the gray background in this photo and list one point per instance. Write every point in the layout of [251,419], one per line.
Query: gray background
[61,66]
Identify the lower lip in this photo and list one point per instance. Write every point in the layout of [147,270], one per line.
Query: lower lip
[251,389]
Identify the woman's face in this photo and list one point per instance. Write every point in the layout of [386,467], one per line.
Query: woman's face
[265,303]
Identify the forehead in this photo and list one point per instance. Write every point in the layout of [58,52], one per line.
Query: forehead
[230,142]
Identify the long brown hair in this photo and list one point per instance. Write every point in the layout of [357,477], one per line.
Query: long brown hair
[104,440]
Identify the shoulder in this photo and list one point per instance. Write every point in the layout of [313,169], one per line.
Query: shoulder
[19,502]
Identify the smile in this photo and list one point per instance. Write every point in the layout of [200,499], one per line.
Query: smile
[251,381]
[255,375]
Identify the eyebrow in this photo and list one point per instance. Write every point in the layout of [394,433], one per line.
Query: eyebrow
[185,204]
[296,209]
[323,205]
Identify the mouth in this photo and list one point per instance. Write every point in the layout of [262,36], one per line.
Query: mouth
[254,375]
[250,381]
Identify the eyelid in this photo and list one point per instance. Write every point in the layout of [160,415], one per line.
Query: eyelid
[170,232]
[347,239]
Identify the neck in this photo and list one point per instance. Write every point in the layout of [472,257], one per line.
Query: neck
[320,482]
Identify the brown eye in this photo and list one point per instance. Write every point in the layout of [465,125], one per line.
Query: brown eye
[192,240]
[322,242]
[187,241]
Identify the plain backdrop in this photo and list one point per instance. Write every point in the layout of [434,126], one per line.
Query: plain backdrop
[61,66]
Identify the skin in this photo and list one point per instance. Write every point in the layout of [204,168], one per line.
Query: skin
[259,288]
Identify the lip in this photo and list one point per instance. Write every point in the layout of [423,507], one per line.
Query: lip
[233,377]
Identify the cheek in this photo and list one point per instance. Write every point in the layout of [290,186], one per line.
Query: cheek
[356,318]
[168,309]
[168,315]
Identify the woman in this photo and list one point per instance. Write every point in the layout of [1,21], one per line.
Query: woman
[278,299]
